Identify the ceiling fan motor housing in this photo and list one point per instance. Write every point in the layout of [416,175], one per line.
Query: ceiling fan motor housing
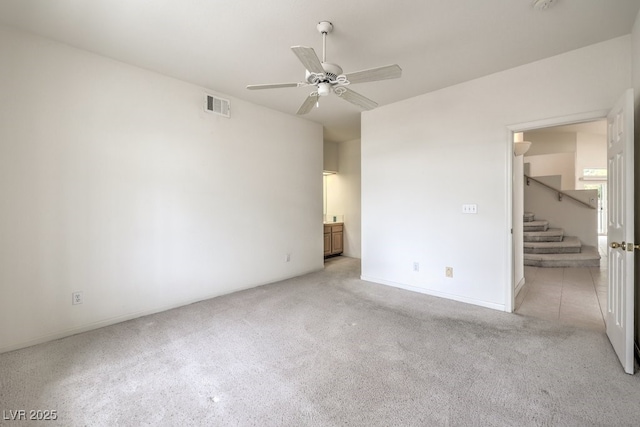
[332,71]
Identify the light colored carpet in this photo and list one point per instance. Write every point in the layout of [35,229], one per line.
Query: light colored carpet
[325,349]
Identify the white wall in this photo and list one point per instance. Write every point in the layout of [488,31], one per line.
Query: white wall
[350,182]
[331,189]
[562,164]
[335,205]
[573,152]
[552,153]
[424,157]
[116,183]
[547,142]
[330,156]
[591,153]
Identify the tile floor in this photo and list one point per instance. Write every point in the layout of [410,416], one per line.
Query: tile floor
[575,296]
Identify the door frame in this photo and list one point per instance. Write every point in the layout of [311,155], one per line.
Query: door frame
[588,116]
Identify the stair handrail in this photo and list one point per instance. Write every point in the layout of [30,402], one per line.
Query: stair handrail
[560,193]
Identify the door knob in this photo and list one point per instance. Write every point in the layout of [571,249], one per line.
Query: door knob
[630,247]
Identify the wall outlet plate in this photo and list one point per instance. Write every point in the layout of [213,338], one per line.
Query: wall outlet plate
[448,272]
[76,298]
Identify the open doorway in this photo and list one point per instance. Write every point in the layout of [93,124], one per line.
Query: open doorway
[563,242]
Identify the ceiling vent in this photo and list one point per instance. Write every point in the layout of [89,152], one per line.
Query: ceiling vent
[217,105]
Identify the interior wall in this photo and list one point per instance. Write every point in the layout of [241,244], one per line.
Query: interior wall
[115,182]
[566,154]
[591,152]
[349,176]
[335,198]
[552,153]
[562,164]
[330,156]
[423,158]
[546,142]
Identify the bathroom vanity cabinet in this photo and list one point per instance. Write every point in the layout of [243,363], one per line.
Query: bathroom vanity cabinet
[333,239]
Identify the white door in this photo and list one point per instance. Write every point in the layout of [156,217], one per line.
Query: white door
[620,296]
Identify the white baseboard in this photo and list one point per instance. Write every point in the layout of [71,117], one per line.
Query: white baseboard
[519,287]
[445,295]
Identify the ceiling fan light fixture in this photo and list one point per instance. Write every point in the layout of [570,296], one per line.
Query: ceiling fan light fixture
[324,89]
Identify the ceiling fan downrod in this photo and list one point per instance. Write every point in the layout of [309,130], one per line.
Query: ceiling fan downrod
[324,47]
[324,27]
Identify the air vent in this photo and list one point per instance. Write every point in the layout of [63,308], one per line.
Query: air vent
[217,106]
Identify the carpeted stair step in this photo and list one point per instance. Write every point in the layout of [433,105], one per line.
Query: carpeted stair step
[588,257]
[539,225]
[568,245]
[528,216]
[551,235]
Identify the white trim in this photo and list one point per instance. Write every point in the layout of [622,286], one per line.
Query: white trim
[519,287]
[459,298]
[559,121]
[510,296]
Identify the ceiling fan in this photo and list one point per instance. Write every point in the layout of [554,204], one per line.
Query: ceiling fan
[328,77]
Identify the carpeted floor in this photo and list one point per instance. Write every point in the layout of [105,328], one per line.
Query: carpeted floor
[325,349]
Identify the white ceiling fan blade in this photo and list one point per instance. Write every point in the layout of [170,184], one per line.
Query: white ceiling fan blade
[309,59]
[373,74]
[357,99]
[308,104]
[275,86]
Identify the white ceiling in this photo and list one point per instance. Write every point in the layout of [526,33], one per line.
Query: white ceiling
[225,45]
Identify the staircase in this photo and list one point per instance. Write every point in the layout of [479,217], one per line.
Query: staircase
[549,247]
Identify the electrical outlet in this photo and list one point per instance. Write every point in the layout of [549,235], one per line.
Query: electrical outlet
[287,258]
[416,266]
[448,272]
[76,298]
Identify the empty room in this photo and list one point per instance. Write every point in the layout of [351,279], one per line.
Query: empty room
[325,213]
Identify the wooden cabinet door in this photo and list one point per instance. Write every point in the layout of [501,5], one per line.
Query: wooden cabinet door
[327,244]
[336,242]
